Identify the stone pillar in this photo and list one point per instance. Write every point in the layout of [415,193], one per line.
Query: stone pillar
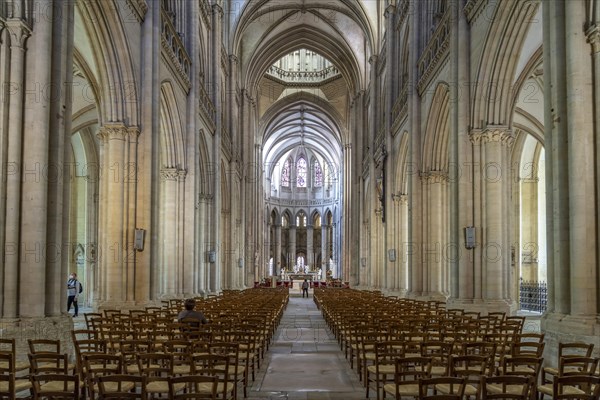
[116,238]
[292,245]
[572,187]
[216,230]
[403,256]
[495,182]
[168,243]
[34,205]
[310,252]
[268,250]
[582,190]
[18,32]
[324,252]
[277,256]
[461,165]
[433,260]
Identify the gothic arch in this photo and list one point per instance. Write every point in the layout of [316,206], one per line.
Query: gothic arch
[205,166]
[401,166]
[303,37]
[118,83]
[504,41]
[172,147]
[435,145]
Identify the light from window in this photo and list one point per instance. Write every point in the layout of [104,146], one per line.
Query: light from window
[301,172]
[318,175]
[285,174]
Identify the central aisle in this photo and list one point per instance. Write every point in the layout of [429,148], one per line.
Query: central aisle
[305,362]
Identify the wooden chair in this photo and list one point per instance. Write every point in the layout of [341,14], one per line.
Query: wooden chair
[7,386]
[428,391]
[581,387]
[469,367]
[157,368]
[384,365]
[62,386]
[48,363]
[570,349]
[97,365]
[129,349]
[236,371]
[11,385]
[407,374]
[9,346]
[216,366]
[181,350]
[510,387]
[568,366]
[196,387]
[121,387]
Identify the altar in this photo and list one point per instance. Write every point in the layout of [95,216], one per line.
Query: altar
[309,276]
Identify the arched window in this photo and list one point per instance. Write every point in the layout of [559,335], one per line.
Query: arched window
[285,174]
[301,172]
[318,175]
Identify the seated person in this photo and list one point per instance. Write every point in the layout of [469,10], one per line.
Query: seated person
[188,315]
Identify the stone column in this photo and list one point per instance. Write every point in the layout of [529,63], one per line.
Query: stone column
[324,252]
[582,190]
[168,237]
[310,256]
[216,88]
[292,245]
[593,37]
[495,183]
[34,205]
[277,256]
[115,226]
[433,249]
[461,166]
[268,242]
[18,32]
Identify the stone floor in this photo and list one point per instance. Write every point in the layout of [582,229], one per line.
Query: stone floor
[304,361]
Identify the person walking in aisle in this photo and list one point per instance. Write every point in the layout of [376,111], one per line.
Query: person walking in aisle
[305,288]
[73,289]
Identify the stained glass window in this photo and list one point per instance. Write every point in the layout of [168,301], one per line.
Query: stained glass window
[301,172]
[318,175]
[285,174]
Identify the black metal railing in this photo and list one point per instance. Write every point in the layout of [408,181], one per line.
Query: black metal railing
[534,296]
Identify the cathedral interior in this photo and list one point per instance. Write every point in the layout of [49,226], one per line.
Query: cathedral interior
[435,150]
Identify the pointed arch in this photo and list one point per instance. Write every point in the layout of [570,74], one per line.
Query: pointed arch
[118,84]
[435,145]
[500,55]
[401,166]
[172,144]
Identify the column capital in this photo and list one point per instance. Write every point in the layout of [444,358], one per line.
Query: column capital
[19,31]
[593,37]
[400,198]
[499,134]
[373,59]
[233,59]
[430,177]
[112,131]
[169,174]
[181,174]
[389,11]
[217,10]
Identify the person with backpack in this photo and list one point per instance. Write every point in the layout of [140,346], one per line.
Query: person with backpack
[74,288]
[305,288]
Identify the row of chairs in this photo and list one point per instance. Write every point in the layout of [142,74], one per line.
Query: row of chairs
[377,332]
[98,353]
